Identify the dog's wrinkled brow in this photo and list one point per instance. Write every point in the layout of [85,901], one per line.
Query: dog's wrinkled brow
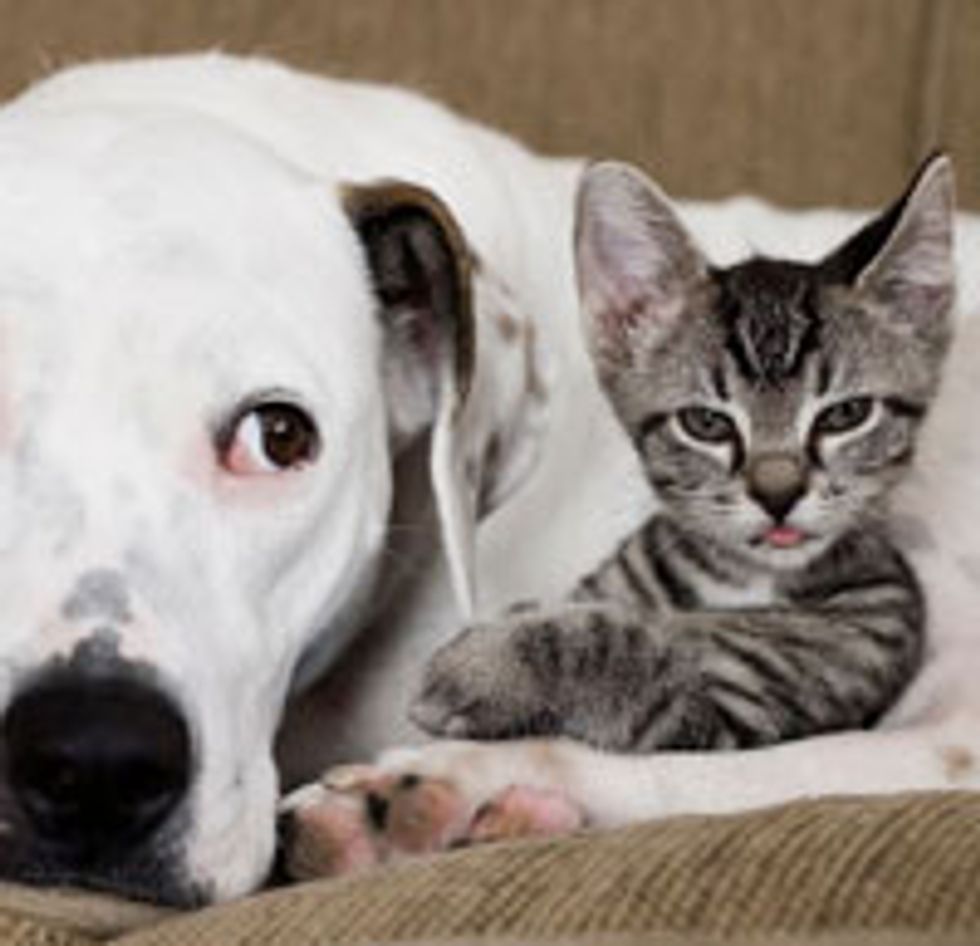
[100,593]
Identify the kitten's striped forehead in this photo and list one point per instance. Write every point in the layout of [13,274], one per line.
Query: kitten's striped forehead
[769,318]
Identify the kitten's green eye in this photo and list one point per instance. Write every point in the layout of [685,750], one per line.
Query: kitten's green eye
[707,425]
[844,415]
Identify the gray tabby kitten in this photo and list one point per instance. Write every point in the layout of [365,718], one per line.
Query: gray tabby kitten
[774,406]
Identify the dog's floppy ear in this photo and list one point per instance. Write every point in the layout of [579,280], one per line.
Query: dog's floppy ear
[421,270]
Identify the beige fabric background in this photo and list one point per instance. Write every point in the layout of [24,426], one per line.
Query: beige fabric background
[807,102]
[860,872]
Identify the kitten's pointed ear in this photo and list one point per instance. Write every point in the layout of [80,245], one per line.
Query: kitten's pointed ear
[636,263]
[420,267]
[903,259]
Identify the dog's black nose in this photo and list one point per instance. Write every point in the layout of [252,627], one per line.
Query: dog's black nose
[95,761]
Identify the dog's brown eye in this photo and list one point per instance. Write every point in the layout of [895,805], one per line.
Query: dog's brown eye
[271,438]
[702,423]
[843,416]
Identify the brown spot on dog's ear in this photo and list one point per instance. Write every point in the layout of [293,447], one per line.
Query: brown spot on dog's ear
[485,475]
[422,270]
[958,763]
[533,381]
[507,325]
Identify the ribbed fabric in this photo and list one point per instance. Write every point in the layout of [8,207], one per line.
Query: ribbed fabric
[828,102]
[29,914]
[908,864]
[17,931]
[837,872]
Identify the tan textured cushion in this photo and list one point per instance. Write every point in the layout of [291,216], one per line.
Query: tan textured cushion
[908,863]
[826,102]
[31,915]
[841,872]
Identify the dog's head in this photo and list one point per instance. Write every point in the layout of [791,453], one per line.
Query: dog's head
[207,363]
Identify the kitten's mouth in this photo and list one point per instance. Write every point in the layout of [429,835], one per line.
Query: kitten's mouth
[784,537]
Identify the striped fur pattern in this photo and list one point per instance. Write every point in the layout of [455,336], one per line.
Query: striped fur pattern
[774,405]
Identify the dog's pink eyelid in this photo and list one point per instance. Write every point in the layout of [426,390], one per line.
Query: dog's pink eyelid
[243,455]
[270,439]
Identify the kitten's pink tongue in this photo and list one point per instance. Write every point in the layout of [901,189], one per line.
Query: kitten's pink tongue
[784,537]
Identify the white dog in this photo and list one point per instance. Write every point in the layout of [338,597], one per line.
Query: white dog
[233,318]
[228,328]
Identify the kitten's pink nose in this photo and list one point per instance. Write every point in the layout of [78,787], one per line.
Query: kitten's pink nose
[776,481]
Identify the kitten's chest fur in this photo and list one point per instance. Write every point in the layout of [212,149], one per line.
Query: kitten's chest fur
[704,576]
[753,591]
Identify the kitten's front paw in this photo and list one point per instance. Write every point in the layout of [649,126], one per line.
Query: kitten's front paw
[479,686]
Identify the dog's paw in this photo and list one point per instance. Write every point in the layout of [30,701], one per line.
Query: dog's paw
[361,817]
[419,801]
[502,789]
[323,833]
[480,686]
[522,812]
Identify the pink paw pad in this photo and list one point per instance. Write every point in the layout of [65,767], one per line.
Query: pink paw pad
[416,815]
[521,811]
[366,818]
[329,838]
